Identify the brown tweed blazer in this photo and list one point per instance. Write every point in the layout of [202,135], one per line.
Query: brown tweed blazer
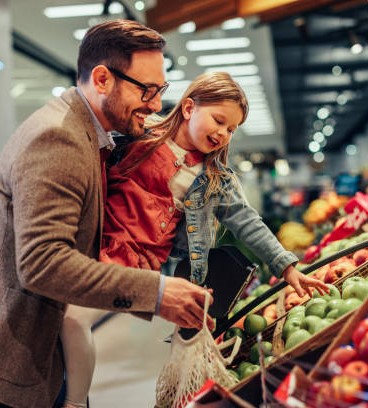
[50,229]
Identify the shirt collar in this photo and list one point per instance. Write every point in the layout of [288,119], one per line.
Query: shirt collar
[104,138]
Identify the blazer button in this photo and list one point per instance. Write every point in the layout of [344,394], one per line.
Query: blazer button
[194,256]
[128,304]
[187,203]
[118,302]
[192,228]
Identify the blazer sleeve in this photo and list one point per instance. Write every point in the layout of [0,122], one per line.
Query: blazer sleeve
[54,185]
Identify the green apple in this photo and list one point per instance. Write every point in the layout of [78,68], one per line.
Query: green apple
[316,307]
[357,290]
[311,323]
[334,304]
[299,336]
[333,294]
[254,324]
[269,360]
[352,279]
[344,307]
[298,310]
[240,304]
[291,326]
[254,351]
[234,331]
[233,373]
[249,371]
[259,290]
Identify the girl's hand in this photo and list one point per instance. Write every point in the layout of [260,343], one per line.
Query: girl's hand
[302,283]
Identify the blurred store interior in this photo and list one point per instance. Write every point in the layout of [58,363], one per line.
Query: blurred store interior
[302,63]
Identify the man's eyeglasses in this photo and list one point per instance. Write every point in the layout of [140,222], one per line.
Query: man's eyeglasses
[149,91]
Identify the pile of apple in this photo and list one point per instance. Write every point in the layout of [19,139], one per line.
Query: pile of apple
[348,368]
[303,321]
[329,273]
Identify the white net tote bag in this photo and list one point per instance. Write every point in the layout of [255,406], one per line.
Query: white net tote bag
[191,363]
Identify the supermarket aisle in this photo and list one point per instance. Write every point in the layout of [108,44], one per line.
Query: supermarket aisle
[130,354]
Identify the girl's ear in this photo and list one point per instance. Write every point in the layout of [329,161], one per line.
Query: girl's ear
[187,108]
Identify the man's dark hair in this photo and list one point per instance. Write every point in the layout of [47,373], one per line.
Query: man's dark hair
[112,43]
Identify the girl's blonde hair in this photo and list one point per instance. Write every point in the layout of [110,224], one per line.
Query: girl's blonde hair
[206,89]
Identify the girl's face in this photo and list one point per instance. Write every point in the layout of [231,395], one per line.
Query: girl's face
[208,127]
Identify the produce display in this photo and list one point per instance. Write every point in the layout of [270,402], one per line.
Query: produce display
[344,378]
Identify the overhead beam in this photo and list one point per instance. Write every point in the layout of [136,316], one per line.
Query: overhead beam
[168,15]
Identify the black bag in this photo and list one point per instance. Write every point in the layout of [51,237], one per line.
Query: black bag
[229,272]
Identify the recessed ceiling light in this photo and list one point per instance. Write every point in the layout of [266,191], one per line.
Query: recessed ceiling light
[228,59]
[80,33]
[175,75]
[217,44]
[236,70]
[233,24]
[139,5]
[188,27]
[80,10]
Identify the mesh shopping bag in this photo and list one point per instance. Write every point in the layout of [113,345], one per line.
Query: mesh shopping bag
[191,363]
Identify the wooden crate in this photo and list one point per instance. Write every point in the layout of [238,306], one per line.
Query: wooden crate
[273,334]
[343,337]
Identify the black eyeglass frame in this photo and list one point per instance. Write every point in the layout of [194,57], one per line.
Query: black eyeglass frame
[146,88]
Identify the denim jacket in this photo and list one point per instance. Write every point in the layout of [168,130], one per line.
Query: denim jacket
[196,233]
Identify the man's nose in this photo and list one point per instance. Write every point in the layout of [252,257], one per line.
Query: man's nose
[155,104]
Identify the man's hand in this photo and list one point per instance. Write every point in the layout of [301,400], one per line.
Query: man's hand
[183,304]
[302,283]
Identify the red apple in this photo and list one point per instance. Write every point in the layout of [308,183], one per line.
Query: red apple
[363,347]
[293,300]
[273,280]
[359,332]
[339,270]
[345,388]
[320,273]
[319,393]
[358,369]
[341,356]
[360,256]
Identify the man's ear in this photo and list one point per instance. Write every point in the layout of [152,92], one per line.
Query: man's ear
[102,79]
[187,108]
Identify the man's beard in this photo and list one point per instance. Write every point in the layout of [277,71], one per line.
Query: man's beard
[112,108]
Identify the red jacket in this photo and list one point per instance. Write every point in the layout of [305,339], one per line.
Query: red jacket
[140,214]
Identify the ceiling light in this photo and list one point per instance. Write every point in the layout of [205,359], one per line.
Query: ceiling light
[80,33]
[318,157]
[249,80]
[356,46]
[175,75]
[319,137]
[341,99]
[282,167]
[336,70]
[323,113]
[228,59]
[233,24]
[139,5]
[80,10]
[314,147]
[217,44]
[236,70]
[58,90]
[188,27]
[182,60]
[328,130]
[245,166]
[351,150]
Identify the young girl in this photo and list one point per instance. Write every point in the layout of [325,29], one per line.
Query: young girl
[165,199]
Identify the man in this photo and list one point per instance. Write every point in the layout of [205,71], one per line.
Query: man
[51,207]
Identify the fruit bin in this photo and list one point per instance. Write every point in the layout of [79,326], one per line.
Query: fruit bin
[273,334]
[317,388]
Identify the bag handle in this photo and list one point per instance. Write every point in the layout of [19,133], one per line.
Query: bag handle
[234,341]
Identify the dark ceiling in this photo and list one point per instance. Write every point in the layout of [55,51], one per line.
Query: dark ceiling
[308,48]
